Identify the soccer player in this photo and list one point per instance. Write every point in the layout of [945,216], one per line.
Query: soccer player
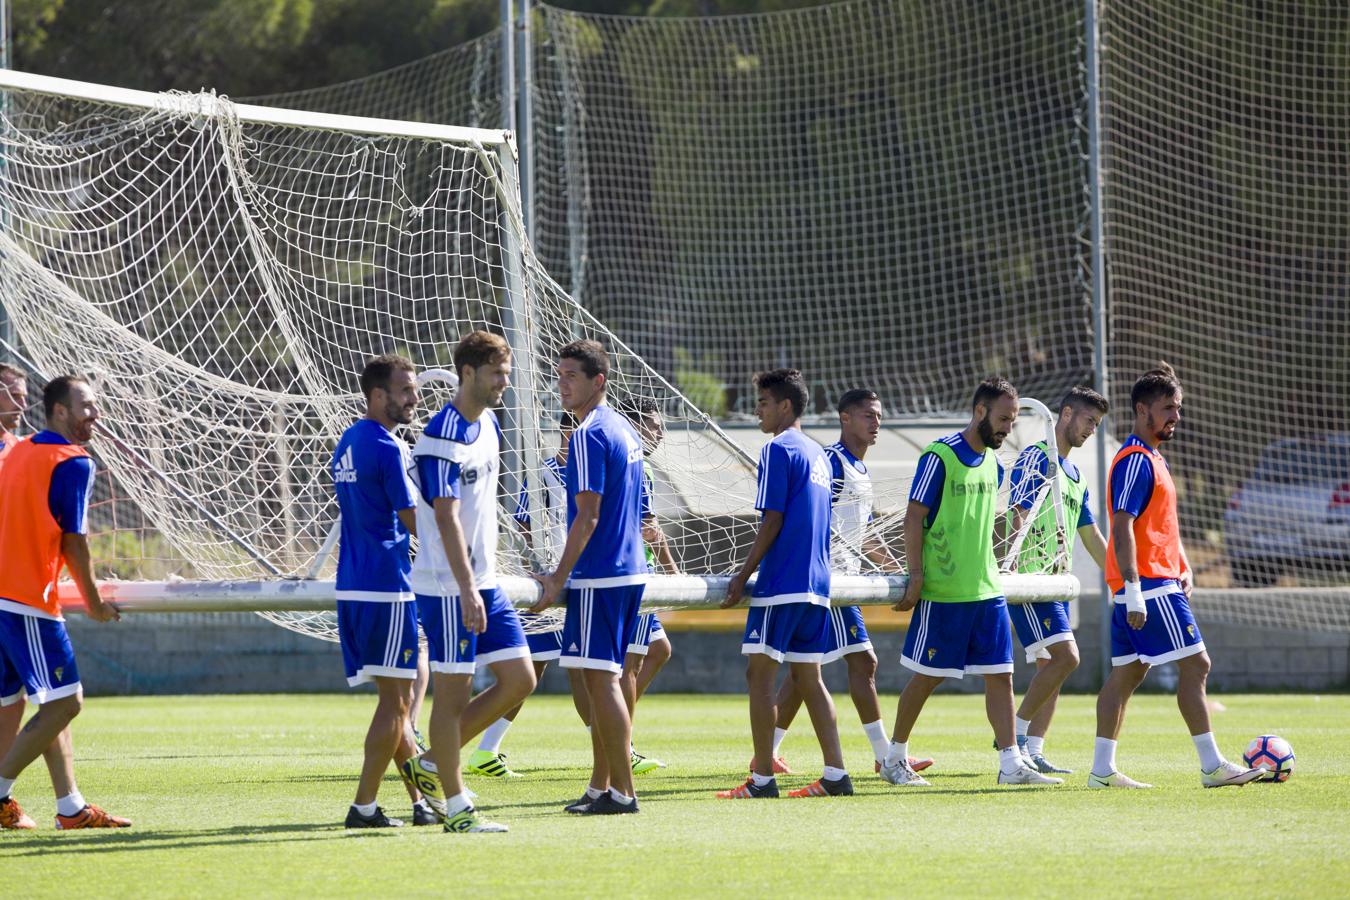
[789,616]
[602,569]
[377,619]
[1149,574]
[545,646]
[650,648]
[960,623]
[1043,628]
[45,484]
[467,618]
[851,509]
[13,401]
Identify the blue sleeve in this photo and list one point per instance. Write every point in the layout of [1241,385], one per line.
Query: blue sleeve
[836,474]
[1132,484]
[68,496]
[522,513]
[773,479]
[1085,516]
[437,478]
[928,480]
[395,478]
[1023,486]
[591,449]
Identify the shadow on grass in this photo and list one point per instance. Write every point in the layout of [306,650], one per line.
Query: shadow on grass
[122,840]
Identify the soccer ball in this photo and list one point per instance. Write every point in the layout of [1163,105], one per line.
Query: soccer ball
[1272,753]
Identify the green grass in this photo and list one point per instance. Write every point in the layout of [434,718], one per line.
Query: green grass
[235,795]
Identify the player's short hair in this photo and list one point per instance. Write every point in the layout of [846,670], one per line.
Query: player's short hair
[13,372]
[991,389]
[852,398]
[57,392]
[785,384]
[639,408]
[1081,397]
[592,356]
[380,369]
[480,348]
[1161,381]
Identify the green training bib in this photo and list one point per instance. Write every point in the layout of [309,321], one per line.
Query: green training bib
[958,548]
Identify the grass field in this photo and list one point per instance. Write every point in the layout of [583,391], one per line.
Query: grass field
[245,795]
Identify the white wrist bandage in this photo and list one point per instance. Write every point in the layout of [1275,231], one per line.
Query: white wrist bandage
[1134,597]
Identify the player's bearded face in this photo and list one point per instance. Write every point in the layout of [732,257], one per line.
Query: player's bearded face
[401,397]
[997,422]
[82,413]
[1164,416]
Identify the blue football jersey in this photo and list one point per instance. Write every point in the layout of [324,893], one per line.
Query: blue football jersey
[370,479]
[71,488]
[605,457]
[794,479]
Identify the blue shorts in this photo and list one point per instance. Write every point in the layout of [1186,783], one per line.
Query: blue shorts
[600,624]
[952,640]
[1038,625]
[545,646]
[454,650]
[848,634]
[1169,631]
[788,632]
[35,658]
[377,638]
[649,629]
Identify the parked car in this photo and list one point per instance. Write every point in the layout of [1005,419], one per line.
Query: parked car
[1294,511]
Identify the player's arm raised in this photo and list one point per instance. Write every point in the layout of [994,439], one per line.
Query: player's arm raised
[578,536]
[457,555]
[769,527]
[915,514]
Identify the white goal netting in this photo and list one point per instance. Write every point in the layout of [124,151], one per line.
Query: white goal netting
[223,273]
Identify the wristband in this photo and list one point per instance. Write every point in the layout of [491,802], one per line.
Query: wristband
[1134,597]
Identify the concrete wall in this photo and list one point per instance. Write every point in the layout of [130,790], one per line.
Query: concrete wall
[242,653]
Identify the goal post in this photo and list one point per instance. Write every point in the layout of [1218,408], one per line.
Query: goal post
[222,272]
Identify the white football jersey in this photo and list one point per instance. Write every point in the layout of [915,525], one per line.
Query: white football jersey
[851,507]
[467,455]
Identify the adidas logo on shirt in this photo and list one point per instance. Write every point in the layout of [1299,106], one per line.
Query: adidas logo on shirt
[345,471]
[820,473]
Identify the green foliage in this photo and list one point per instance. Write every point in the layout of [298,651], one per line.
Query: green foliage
[704,389]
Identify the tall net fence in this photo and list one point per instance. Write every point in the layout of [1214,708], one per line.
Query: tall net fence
[1227,205]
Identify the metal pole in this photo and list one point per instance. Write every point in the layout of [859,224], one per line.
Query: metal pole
[1099,298]
[508,67]
[525,117]
[6,326]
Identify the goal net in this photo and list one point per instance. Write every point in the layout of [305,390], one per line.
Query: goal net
[223,272]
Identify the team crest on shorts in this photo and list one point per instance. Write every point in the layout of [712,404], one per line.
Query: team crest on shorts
[1046,621]
[1190,629]
[58,672]
[853,630]
[464,646]
[932,652]
[407,654]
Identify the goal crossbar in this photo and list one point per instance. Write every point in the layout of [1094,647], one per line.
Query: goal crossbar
[200,104]
[673,592]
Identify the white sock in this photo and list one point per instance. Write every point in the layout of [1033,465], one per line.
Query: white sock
[365,809]
[592,793]
[760,780]
[833,774]
[1009,760]
[492,737]
[1022,725]
[6,786]
[621,798]
[457,803]
[1205,745]
[898,753]
[778,735]
[1103,757]
[876,736]
[1035,745]
[72,803]
[429,764]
